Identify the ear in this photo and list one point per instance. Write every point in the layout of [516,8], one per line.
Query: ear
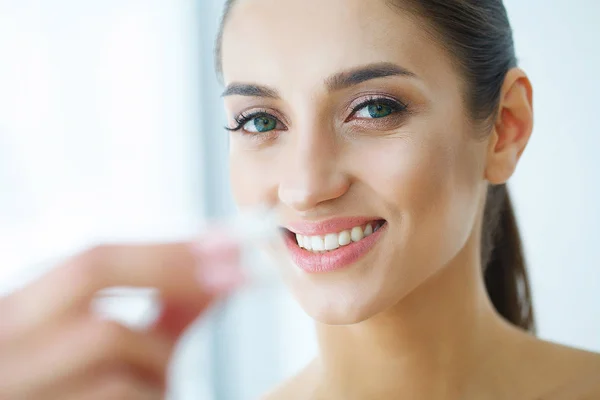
[512,128]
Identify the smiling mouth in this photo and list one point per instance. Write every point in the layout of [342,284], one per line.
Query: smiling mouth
[322,244]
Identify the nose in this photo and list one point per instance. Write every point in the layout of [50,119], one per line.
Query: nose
[313,174]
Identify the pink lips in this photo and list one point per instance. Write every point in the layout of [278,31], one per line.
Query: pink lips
[336,259]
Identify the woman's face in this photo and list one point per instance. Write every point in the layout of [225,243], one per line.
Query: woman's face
[350,115]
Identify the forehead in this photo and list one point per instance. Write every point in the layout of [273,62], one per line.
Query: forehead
[300,42]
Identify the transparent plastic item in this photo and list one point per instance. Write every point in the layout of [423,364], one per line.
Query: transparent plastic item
[255,230]
[258,232]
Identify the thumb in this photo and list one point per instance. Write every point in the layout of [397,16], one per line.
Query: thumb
[218,277]
[176,317]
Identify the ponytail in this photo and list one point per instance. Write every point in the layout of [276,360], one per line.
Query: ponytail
[503,262]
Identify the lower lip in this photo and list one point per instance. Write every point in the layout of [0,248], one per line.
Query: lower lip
[332,260]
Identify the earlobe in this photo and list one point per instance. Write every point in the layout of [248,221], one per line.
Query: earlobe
[512,129]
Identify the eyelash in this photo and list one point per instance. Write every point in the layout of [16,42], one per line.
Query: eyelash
[395,105]
[243,119]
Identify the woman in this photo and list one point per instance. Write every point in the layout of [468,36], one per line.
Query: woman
[383,134]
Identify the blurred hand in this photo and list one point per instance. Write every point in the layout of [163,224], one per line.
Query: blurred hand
[53,347]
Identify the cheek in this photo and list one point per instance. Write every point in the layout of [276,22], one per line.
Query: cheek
[242,181]
[409,174]
[251,176]
[430,183]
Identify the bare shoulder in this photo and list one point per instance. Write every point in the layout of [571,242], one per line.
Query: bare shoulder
[567,373]
[586,386]
[303,386]
[582,379]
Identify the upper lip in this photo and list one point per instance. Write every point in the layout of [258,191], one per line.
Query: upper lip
[333,225]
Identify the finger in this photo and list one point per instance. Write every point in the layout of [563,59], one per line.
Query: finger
[176,317]
[180,271]
[113,386]
[83,348]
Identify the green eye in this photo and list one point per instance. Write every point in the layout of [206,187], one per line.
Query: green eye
[261,124]
[379,110]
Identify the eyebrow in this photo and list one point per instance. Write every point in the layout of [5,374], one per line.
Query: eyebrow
[339,81]
[355,76]
[248,89]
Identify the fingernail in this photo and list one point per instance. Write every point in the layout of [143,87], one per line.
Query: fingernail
[220,278]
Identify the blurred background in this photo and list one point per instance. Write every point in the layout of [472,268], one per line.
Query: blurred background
[111,129]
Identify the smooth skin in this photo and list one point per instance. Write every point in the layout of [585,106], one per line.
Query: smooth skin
[411,319]
[54,347]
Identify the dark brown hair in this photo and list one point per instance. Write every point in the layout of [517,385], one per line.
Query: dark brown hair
[478,37]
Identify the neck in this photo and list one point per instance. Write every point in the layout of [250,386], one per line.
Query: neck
[429,345]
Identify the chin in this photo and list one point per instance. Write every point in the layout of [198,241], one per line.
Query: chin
[335,314]
[340,303]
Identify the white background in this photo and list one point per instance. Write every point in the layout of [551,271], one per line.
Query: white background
[100,136]
[110,128]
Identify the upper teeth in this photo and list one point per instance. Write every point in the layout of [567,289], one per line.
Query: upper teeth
[333,241]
